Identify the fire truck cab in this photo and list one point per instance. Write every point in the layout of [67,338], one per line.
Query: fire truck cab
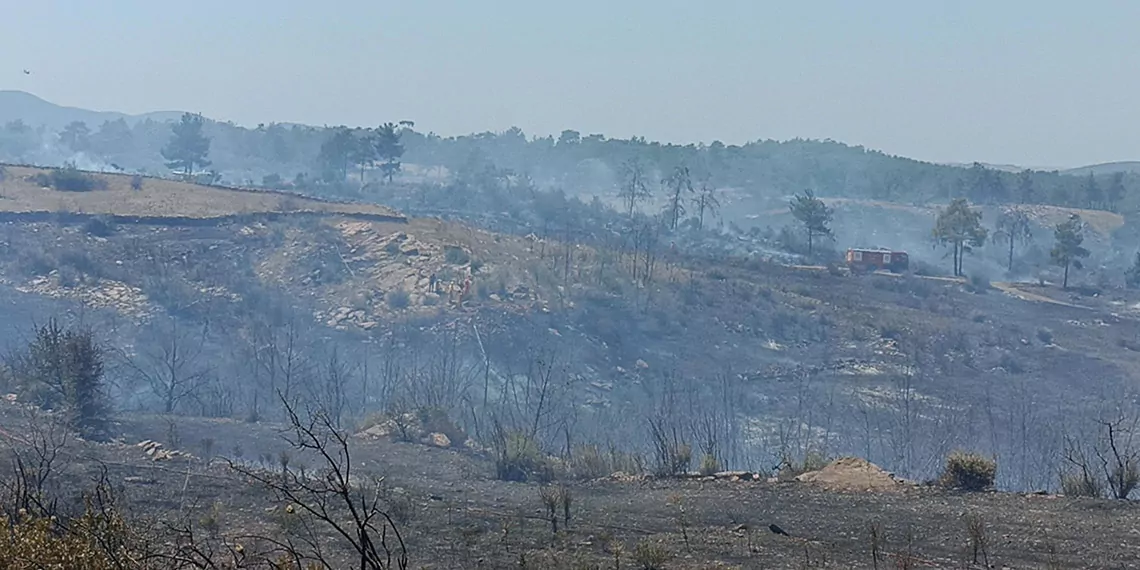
[867,260]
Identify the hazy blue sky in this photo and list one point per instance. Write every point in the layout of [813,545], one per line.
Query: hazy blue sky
[1034,82]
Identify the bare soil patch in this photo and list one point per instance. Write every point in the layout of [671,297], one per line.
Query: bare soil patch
[19,193]
[853,474]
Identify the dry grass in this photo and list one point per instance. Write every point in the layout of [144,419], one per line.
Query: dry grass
[159,198]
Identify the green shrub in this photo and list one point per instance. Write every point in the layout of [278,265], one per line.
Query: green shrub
[519,459]
[1081,485]
[36,264]
[1045,335]
[95,540]
[436,420]
[136,182]
[455,255]
[591,462]
[979,283]
[271,180]
[1011,364]
[969,471]
[69,179]
[398,299]
[100,226]
[709,465]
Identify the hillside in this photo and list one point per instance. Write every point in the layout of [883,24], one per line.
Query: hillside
[800,350]
[877,223]
[217,304]
[161,199]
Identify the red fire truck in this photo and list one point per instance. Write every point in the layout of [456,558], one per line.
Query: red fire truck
[867,260]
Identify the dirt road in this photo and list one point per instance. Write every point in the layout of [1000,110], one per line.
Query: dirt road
[1008,288]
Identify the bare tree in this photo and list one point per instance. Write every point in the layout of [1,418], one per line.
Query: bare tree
[275,353]
[680,185]
[1113,454]
[672,452]
[1013,226]
[633,187]
[706,201]
[36,466]
[335,497]
[172,365]
[332,390]
[1118,457]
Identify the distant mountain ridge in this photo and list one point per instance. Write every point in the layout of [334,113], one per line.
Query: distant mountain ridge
[1125,166]
[1010,167]
[34,111]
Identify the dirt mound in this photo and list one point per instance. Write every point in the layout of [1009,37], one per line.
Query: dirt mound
[852,474]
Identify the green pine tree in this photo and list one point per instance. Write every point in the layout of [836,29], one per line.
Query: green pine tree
[1067,250]
[188,146]
[814,215]
[959,227]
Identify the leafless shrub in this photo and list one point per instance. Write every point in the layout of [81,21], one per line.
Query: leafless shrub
[206,447]
[877,538]
[812,558]
[400,507]
[906,559]
[672,453]
[210,521]
[552,497]
[173,438]
[615,549]
[977,538]
[650,555]
[567,499]
[791,468]
[682,520]
[1118,458]
[1054,561]
[592,462]
[36,465]
[1114,456]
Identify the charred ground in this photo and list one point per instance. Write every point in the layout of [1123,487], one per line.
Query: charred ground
[588,345]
